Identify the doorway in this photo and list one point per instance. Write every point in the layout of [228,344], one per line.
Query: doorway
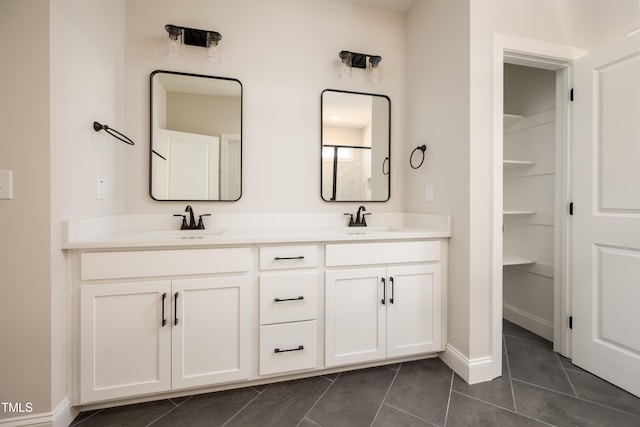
[556,59]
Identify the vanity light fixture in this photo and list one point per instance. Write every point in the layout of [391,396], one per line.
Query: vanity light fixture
[348,60]
[176,36]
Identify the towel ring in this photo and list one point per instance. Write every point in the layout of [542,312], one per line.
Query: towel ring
[422,148]
[114,133]
[387,161]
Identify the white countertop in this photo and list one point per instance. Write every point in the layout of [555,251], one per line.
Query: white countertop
[147,231]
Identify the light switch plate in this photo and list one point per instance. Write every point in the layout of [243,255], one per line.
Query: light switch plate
[101,189]
[429,193]
[6,184]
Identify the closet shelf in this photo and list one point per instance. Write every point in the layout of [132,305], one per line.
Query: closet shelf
[518,212]
[509,119]
[509,259]
[513,163]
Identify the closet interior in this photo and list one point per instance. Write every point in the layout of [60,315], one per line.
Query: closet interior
[529,188]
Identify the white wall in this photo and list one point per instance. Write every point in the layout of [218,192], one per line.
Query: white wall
[64,71]
[87,85]
[25,311]
[437,87]
[285,53]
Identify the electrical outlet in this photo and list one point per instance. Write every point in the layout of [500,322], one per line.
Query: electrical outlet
[6,184]
[429,193]
[101,189]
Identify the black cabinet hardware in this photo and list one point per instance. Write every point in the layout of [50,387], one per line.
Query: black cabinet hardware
[288,299]
[164,319]
[300,347]
[284,258]
[175,309]
[393,290]
[384,291]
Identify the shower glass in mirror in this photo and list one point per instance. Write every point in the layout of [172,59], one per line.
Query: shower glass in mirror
[196,137]
[356,145]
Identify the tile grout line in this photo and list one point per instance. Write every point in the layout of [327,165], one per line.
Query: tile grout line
[407,412]
[506,356]
[318,400]
[386,394]
[85,419]
[243,408]
[446,414]
[504,409]
[567,376]
[165,414]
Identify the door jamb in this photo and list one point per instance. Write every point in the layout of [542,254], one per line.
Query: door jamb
[538,54]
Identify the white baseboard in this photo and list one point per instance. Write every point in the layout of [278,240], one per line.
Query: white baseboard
[528,321]
[471,370]
[61,416]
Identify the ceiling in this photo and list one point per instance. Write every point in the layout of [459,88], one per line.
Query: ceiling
[392,5]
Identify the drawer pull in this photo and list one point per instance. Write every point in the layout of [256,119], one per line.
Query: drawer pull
[384,291]
[288,299]
[393,290]
[284,258]
[164,319]
[175,309]
[277,350]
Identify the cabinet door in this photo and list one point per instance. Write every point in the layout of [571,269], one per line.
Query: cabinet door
[125,344]
[210,331]
[355,316]
[414,310]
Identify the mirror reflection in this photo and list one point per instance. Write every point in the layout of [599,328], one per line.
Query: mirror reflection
[196,137]
[355,146]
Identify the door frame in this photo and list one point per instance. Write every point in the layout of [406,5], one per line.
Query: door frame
[558,58]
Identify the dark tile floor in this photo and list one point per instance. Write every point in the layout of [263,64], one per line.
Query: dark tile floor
[538,387]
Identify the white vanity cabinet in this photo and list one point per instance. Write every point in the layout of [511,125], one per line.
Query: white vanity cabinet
[288,300]
[390,310]
[159,335]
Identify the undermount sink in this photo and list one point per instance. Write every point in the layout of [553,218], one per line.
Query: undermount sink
[182,234]
[370,230]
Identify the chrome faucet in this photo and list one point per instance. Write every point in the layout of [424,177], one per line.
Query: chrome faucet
[191,225]
[360,220]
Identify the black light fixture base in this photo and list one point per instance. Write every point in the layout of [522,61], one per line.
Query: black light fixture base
[359,60]
[193,36]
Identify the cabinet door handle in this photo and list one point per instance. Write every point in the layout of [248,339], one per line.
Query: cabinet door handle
[284,258]
[164,319]
[175,309]
[384,291]
[288,299]
[300,347]
[393,290]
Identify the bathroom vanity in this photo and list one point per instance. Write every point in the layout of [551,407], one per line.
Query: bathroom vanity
[160,312]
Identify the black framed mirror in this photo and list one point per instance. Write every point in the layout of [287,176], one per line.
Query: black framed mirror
[356,147]
[196,137]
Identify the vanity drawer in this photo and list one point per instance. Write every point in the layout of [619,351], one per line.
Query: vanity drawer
[288,347]
[128,264]
[288,297]
[382,253]
[284,257]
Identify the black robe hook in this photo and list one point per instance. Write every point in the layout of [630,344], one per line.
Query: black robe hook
[114,133]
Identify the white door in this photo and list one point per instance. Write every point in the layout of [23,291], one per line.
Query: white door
[210,331]
[356,316]
[413,310]
[606,222]
[191,169]
[125,340]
